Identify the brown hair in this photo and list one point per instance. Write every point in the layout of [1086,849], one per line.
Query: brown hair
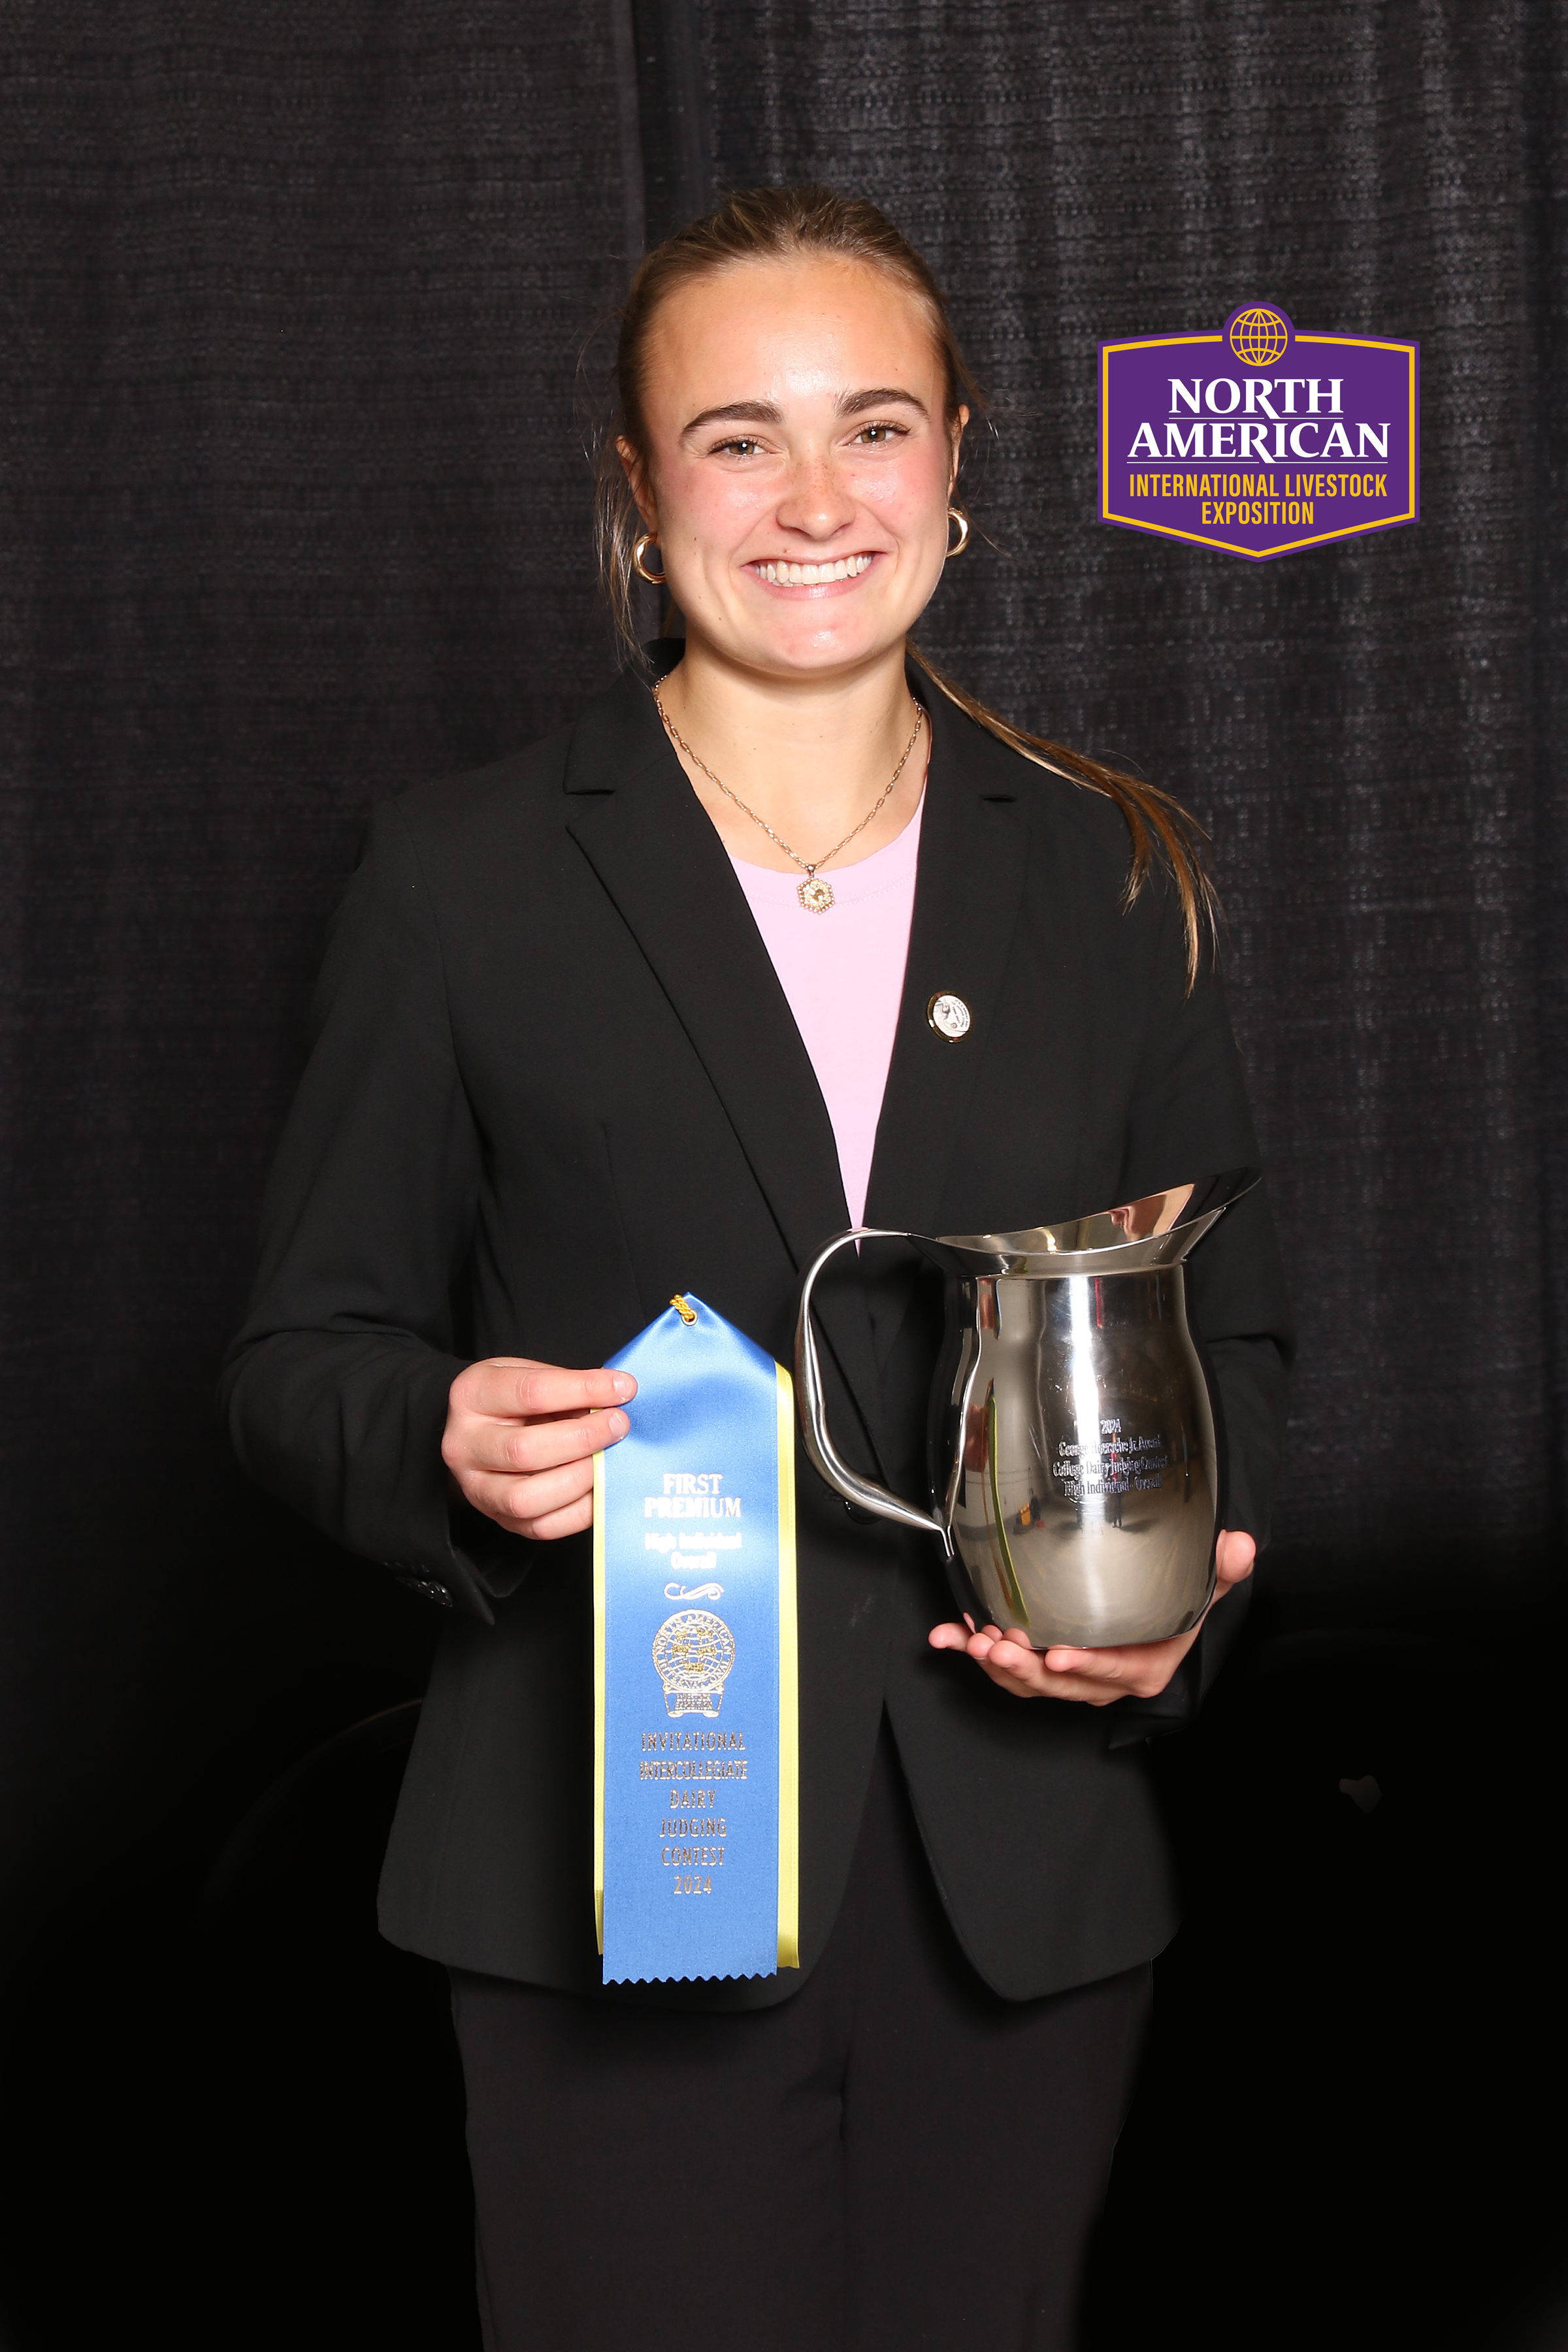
[778,225]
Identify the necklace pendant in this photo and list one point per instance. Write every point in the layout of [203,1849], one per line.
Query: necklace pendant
[816,895]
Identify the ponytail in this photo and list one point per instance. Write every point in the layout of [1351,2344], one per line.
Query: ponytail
[1162,829]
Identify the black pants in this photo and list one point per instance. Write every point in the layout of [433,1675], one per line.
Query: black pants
[894,2157]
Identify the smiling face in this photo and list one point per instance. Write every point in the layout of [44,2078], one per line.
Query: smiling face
[800,462]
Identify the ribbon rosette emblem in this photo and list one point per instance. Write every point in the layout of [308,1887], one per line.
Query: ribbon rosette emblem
[693,1651]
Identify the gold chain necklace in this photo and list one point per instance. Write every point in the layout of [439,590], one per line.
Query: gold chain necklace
[814,895]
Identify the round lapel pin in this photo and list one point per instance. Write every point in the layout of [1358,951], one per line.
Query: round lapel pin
[949,1016]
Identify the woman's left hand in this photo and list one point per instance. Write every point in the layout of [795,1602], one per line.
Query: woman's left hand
[1098,1677]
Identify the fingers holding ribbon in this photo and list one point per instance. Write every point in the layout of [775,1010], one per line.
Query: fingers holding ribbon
[521,1438]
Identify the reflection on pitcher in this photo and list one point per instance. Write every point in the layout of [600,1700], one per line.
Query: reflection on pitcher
[1075,1456]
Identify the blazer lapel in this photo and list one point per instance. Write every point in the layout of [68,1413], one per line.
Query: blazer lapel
[642,829]
[974,854]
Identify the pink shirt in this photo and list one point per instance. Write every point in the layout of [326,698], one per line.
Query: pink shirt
[843,974]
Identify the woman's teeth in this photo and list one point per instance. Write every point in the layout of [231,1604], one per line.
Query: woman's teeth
[807,575]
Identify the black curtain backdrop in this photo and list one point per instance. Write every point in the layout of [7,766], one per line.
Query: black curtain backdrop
[293,512]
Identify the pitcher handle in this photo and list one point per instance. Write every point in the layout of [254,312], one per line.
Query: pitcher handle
[820,1449]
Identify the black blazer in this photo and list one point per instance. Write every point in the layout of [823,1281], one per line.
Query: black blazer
[554,1080]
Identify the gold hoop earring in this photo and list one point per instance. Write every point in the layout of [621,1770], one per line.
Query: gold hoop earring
[654,579]
[957,515]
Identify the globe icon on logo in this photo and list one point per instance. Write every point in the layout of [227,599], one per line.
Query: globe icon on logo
[1258,337]
[694,1652]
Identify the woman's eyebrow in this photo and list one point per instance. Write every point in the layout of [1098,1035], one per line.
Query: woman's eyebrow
[737,412]
[851,403]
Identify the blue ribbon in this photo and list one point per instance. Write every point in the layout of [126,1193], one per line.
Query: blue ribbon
[695,1765]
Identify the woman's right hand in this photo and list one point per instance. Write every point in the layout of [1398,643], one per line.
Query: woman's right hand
[521,1439]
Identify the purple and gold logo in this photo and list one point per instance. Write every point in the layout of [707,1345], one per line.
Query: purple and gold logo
[1259,439]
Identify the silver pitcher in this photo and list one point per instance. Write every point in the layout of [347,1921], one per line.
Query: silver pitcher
[1074,1466]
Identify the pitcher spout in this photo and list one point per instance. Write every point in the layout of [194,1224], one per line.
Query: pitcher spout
[1156,1231]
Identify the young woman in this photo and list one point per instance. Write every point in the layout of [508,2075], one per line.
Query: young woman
[642,1010]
